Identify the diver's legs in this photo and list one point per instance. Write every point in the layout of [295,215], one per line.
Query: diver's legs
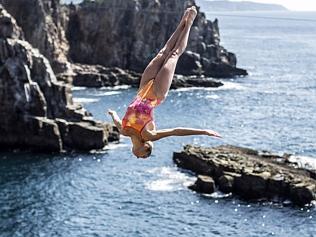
[156,63]
[164,77]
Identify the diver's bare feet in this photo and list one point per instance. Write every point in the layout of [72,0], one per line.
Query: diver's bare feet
[191,15]
[185,16]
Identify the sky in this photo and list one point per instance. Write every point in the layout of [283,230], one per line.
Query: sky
[294,5]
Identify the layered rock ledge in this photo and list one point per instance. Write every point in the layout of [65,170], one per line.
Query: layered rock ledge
[100,76]
[36,110]
[247,173]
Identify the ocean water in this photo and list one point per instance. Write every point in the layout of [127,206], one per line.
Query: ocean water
[110,193]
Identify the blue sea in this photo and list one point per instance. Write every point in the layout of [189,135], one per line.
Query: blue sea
[111,193]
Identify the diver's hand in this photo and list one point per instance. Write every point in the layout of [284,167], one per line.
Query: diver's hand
[111,112]
[212,133]
[116,119]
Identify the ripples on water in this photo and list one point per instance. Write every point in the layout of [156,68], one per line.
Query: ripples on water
[109,193]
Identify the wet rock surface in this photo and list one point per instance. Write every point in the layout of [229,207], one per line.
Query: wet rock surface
[249,173]
[36,110]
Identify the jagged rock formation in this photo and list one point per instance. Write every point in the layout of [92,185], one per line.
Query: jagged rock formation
[99,76]
[43,23]
[36,110]
[9,27]
[248,173]
[128,33]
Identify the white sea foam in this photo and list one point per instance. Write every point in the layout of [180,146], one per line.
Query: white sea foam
[169,179]
[110,146]
[121,87]
[78,88]
[113,146]
[107,93]
[228,85]
[217,194]
[304,161]
[214,97]
[85,100]
[268,92]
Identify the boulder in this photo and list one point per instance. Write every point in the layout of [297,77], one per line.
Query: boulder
[30,133]
[189,64]
[181,81]
[222,70]
[252,185]
[185,161]
[99,76]
[278,185]
[86,137]
[226,183]
[302,192]
[8,26]
[203,184]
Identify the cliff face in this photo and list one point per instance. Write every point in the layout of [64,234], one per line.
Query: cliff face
[128,33]
[119,33]
[37,111]
[43,23]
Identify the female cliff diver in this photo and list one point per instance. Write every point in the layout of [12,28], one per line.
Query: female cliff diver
[138,122]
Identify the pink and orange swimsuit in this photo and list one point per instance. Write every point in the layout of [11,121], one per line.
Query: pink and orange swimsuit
[140,111]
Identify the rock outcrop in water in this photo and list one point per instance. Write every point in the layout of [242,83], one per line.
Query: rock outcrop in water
[248,173]
[128,33]
[36,110]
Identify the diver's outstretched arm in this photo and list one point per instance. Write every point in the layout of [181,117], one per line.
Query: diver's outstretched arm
[159,134]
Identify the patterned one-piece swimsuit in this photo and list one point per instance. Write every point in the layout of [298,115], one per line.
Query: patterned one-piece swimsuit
[141,110]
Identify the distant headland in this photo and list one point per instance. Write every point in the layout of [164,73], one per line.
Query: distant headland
[226,5]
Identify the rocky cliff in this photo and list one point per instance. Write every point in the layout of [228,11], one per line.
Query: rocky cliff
[128,33]
[37,111]
[43,23]
[120,33]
